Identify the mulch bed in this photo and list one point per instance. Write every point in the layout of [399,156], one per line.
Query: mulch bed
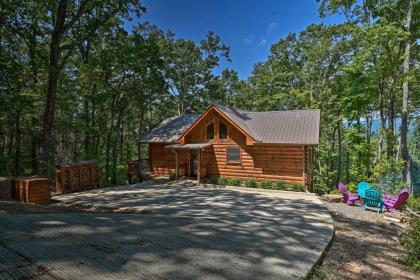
[365,246]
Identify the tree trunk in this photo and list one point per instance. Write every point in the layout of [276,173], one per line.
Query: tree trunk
[87,133]
[34,148]
[17,163]
[339,154]
[108,153]
[115,150]
[139,144]
[404,115]
[369,121]
[53,75]
[390,145]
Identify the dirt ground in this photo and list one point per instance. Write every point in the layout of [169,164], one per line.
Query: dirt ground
[365,246]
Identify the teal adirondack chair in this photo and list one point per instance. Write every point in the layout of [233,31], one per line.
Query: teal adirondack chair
[362,187]
[373,198]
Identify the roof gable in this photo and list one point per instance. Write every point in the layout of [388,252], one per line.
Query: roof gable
[229,116]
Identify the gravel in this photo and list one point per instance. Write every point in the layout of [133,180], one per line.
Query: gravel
[365,246]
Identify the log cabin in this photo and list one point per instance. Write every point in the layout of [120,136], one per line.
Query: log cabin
[228,142]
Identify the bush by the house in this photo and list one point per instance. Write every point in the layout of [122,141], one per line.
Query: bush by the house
[250,183]
[172,176]
[234,182]
[213,180]
[280,185]
[411,241]
[297,187]
[223,181]
[266,185]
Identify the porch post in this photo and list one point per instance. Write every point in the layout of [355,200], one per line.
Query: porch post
[304,167]
[176,165]
[199,166]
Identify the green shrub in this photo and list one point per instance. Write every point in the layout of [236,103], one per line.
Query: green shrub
[266,185]
[213,180]
[335,191]
[411,241]
[413,203]
[234,182]
[351,187]
[172,176]
[250,183]
[280,185]
[223,181]
[297,187]
[387,175]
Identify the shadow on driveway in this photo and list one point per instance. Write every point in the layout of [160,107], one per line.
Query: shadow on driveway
[191,233]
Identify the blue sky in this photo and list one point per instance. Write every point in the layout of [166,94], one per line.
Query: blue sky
[248,27]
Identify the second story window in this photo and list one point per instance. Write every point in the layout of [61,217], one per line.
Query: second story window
[222,131]
[210,131]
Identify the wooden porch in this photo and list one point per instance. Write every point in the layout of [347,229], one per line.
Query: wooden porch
[194,154]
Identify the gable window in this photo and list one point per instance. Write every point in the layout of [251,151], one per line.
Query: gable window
[222,131]
[210,131]
[233,154]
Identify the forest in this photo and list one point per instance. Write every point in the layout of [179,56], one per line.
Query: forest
[75,84]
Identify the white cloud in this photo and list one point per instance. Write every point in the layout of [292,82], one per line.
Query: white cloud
[262,42]
[270,28]
[248,40]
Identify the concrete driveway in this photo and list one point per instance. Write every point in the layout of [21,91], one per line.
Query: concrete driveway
[187,232]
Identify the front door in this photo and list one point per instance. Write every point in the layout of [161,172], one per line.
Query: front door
[193,163]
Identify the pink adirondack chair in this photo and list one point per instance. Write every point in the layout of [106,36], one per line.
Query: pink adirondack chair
[349,198]
[393,203]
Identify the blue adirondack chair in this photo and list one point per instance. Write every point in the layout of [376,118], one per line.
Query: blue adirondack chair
[373,198]
[362,187]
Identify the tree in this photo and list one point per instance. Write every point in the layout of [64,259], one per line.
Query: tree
[72,21]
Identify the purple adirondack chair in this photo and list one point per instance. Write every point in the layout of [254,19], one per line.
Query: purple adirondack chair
[349,198]
[393,203]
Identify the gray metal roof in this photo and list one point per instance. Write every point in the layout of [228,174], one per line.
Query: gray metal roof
[189,146]
[274,127]
[278,127]
[170,129]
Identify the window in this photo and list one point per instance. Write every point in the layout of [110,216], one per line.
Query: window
[222,131]
[233,154]
[210,131]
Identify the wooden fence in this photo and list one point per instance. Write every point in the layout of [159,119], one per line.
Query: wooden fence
[31,189]
[77,176]
[138,168]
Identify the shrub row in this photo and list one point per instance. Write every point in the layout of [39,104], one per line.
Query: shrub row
[251,183]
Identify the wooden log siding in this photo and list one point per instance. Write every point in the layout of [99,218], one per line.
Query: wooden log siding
[162,161]
[260,162]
